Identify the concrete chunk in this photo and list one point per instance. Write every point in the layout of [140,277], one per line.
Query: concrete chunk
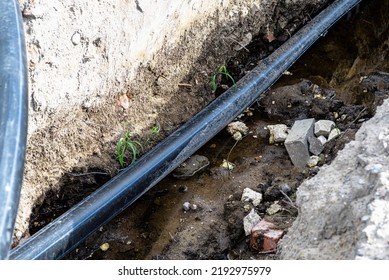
[250,221]
[323,127]
[297,141]
[278,133]
[251,196]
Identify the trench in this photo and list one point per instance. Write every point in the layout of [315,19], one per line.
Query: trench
[156,227]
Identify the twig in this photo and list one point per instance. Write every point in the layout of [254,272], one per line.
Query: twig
[288,198]
[172,237]
[356,118]
[228,156]
[185,85]
[239,43]
[86,174]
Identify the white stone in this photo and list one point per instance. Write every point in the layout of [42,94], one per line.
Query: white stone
[227,165]
[249,195]
[250,221]
[313,161]
[193,207]
[333,134]
[186,206]
[237,127]
[278,133]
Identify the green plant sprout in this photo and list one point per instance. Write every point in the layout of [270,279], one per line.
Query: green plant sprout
[125,143]
[221,71]
[155,130]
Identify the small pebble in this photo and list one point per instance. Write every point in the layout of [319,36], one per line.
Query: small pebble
[227,165]
[186,206]
[285,188]
[313,161]
[104,247]
[274,208]
[193,207]
[334,134]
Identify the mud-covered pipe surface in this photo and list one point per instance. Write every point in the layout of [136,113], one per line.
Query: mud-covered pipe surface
[13,117]
[66,232]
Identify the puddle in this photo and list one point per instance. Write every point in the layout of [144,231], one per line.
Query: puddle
[157,227]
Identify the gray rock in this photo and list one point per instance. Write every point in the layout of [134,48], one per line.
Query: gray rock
[322,139]
[297,141]
[323,127]
[316,146]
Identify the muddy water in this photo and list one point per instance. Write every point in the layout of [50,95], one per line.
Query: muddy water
[157,227]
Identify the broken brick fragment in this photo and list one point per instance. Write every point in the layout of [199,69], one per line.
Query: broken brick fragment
[265,236]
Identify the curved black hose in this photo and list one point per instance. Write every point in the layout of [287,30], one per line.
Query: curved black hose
[65,233]
[13,117]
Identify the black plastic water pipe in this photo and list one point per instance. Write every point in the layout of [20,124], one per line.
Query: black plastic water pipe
[13,117]
[66,232]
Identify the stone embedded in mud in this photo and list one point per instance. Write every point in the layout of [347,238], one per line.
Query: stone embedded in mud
[249,195]
[265,236]
[227,165]
[191,166]
[297,141]
[193,207]
[104,247]
[323,127]
[250,221]
[278,133]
